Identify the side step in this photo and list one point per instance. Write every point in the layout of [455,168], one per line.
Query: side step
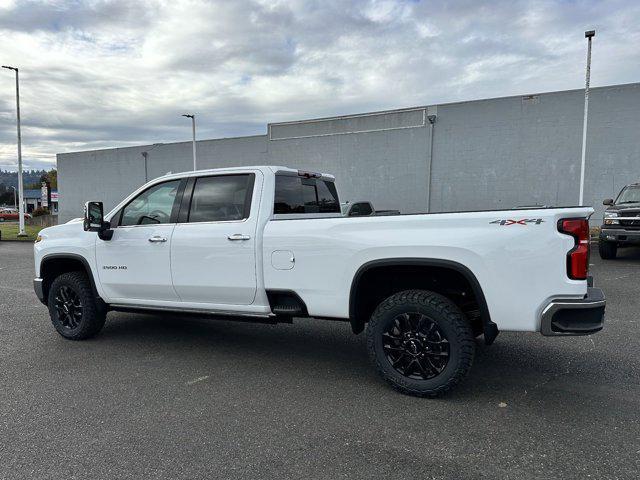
[286,303]
[288,310]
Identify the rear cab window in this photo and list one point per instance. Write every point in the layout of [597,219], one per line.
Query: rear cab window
[295,194]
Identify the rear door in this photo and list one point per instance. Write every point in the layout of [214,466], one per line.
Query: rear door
[213,250]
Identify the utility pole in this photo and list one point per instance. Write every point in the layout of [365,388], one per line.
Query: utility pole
[20,185]
[588,35]
[193,127]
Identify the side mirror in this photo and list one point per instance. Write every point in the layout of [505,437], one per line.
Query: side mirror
[93,216]
[607,201]
[94,220]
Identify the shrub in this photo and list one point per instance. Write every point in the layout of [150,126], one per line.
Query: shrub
[38,212]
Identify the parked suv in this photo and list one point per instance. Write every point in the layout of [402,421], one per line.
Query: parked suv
[621,222]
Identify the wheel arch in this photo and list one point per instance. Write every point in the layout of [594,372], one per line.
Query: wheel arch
[358,321]
[55,264]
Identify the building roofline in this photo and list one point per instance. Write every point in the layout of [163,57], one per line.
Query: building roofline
[457,102]
[152,145]
[352,115]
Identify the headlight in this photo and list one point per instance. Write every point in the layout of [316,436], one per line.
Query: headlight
[38,239]
[610,218]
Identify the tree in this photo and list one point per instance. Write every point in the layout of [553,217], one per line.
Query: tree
[52,176]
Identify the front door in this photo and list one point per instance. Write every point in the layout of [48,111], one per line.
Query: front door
[135,263]
[213,255]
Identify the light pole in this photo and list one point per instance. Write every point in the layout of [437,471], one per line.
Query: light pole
[588,35]
[15,193]
[193,127]
[20,186]
[145,155]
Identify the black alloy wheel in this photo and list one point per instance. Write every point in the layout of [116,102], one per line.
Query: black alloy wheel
[420,342]
[75,310]
[415,346]
[68,307]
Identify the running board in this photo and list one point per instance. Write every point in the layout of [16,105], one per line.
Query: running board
[268,318]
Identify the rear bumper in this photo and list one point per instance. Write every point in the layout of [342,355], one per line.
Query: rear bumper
[619,234]
[582,316]
[37,287]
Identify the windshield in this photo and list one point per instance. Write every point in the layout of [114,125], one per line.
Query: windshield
[629,195]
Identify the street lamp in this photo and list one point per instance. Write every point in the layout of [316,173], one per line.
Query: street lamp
[145,155]
[193,127]
[588,35]
[15,192]
[20,186]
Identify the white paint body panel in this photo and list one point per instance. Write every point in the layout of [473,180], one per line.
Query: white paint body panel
[519,267]
[148,270]
[208,267]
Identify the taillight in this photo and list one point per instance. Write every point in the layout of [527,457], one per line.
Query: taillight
[578,256]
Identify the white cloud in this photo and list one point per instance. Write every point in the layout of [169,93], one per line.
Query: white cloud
[101,73]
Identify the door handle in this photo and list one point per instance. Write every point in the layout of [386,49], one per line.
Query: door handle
[157,239]
[238,236]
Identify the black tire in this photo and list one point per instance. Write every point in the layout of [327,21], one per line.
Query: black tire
[451,327]
[607,250]
[75,311]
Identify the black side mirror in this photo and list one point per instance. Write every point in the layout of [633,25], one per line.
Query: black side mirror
[94,220]
[607,201]
[93,216]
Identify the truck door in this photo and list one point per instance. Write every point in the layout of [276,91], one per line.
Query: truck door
[213,250]
[134,264]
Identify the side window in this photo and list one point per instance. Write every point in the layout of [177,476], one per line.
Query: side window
[221,198]
[301,195]
[327,197]
[151,207]
[288,195]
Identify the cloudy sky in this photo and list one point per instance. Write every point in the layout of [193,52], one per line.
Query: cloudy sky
[105,73]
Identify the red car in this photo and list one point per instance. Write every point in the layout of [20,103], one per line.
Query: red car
[11,215]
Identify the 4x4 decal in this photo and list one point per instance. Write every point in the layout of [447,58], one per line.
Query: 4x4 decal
[523,221]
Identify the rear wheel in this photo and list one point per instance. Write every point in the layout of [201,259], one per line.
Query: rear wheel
[75,312]
[420,343]
[607,250]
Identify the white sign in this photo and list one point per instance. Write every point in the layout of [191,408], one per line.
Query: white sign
[44,195]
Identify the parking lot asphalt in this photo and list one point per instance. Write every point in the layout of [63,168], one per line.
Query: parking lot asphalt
[169,397]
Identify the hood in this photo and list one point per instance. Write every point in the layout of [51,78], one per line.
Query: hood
[624,206]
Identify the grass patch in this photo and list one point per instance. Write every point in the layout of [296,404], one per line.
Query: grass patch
[10,232]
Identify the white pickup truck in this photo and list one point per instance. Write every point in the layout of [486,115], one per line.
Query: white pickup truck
[270,243]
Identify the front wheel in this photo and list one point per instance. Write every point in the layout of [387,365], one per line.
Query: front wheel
[73,307]
[607,250]
[420,343]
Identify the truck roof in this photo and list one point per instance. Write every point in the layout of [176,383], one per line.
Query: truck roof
[273,168]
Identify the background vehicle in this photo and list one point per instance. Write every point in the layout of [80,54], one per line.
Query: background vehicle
[11,215]
[270,243]
[621,222]
[363,209]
